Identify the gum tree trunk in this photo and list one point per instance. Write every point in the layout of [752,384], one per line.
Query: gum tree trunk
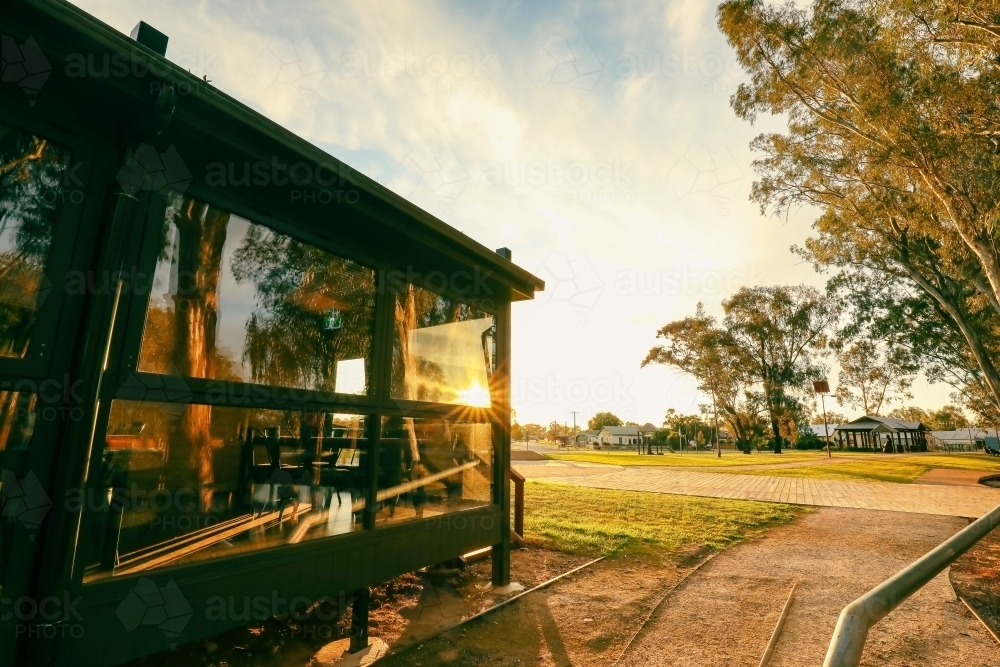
[202,235]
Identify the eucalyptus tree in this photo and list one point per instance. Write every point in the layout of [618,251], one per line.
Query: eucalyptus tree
[776,334]
[894,132]
[870,377]
[698,347]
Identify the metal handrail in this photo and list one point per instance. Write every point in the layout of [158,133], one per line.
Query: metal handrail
[857,618]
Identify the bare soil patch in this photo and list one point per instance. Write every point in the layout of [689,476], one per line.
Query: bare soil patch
[408,607]
[526,455]
[946,477]
[976,577]
[585,619]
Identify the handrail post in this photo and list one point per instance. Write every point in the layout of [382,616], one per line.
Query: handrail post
[518,480]
[857,618]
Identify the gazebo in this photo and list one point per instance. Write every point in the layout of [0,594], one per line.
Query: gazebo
[238,378]
[882,433]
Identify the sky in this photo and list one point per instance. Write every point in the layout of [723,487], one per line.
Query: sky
[595,140]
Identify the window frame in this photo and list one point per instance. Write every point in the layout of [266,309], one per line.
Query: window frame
[376,405]
[205,390]
[62,256]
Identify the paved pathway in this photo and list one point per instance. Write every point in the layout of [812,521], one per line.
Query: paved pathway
[964,501]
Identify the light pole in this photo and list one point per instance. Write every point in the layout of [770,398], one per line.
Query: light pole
[822,387]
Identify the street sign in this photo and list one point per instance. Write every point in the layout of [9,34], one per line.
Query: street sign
[821,387]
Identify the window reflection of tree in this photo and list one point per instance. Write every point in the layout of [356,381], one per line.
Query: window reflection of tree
[31,174]
[201,236]
[288,340]
[297,286]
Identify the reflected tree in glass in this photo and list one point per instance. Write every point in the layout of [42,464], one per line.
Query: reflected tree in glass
[314,309]
[201,235]
[31,189]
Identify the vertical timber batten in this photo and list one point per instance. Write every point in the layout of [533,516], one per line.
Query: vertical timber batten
[501,443]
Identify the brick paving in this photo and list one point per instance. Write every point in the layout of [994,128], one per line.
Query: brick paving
[963,501]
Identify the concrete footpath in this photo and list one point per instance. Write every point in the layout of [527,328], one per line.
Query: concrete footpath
[945,500]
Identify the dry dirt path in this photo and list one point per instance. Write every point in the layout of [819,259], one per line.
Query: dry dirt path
[723,615]
[964,501]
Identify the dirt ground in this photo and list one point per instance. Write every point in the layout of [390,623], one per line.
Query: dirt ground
[976,577]
[411,606]
[585,619]
[724,613]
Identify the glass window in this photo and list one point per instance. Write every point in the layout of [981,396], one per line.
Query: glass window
[31,190]
[182,483]
[232,300]
[429,467]
[23,501]
[443,350]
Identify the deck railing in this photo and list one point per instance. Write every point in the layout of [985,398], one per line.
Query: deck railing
[857,618]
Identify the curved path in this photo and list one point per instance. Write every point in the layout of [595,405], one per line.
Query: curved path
[725,612]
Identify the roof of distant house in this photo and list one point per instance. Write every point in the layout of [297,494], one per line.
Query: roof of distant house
[622,430]
[817,429]
[959,435]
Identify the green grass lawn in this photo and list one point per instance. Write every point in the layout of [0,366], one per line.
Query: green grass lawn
[603,522]
[701,459]
[898,470]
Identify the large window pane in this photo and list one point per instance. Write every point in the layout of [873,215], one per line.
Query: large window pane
[443,350]
[23,501]
[428,467]
[232,300]
[181,483]
[31,192]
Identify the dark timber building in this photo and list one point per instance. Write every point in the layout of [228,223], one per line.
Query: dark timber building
[231,366]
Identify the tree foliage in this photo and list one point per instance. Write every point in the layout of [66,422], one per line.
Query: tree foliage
[755,361]
[869,378]
[775,333]
[893,133]
[603,419]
